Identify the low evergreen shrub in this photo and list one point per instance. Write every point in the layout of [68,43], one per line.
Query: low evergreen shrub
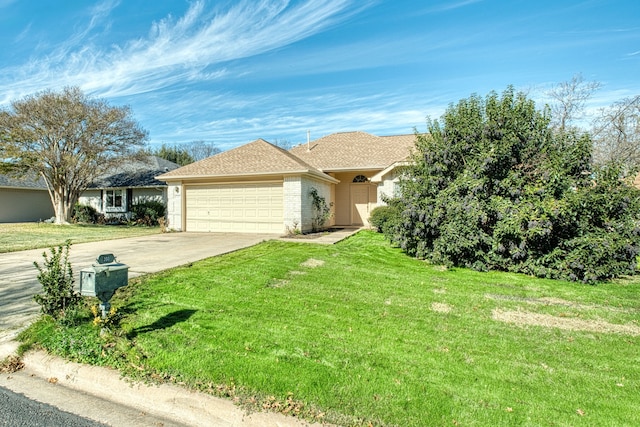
[148,212]
[86,214]
[384,217]
[56,277]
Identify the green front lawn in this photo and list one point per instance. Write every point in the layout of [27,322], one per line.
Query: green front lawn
[358,333]
[31,235]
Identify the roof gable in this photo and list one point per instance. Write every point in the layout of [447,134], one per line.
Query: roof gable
[255,158]
[355,150]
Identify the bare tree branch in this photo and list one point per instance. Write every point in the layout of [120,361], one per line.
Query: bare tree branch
[570,98]
[616,134]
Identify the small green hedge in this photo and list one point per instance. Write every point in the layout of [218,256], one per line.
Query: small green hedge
[383,218]
[148,213]
[86,214]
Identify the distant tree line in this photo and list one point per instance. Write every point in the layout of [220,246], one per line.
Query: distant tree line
[186,153]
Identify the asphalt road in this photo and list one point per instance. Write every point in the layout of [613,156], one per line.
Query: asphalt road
[18,411]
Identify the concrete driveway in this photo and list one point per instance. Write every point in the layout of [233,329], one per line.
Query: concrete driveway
[143,255]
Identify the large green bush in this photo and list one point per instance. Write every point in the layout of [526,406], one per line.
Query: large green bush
[494,187]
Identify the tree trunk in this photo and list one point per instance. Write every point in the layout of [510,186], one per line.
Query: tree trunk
[61,207]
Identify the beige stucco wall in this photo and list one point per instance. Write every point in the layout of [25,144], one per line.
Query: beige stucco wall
[343,214]
[91,198]
[387,187]
[24,205]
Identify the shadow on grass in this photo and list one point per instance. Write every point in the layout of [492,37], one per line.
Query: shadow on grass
[164,322]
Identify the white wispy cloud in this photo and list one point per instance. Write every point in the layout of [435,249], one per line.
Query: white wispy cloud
[232,119]
[450,5]
[24,33]
[174,50]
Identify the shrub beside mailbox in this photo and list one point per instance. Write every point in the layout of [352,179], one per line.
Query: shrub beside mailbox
[103,279]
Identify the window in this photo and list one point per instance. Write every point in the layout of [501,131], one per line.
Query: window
[360,178]
[114,200]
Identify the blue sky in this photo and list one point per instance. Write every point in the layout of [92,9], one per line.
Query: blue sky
[230,72]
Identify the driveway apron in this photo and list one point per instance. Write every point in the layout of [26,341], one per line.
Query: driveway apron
[143,255]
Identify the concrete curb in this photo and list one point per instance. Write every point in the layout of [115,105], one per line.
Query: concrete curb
[103,395]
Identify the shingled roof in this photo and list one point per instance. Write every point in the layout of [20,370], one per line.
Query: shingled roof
[141,173]
[355,150]
[255,158]
[30,181]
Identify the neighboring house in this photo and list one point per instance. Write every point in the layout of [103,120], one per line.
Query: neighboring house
[259,187]
[130,183]
[24,200]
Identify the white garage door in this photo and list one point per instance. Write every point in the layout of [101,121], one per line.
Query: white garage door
[243,208]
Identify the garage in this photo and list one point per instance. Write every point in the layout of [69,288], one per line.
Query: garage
[235,207]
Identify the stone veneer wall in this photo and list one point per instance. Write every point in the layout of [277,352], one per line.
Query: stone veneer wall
[298,204]
[324,190]
[291,191]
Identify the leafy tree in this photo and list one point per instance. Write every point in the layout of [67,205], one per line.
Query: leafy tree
[174,154]
[495,187]
[68,139]
[183,154]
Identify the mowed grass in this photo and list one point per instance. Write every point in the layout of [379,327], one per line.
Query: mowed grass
[23,236]
[360,334]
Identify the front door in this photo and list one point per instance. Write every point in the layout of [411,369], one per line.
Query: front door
[359,203]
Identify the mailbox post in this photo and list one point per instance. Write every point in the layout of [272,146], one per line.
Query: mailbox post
[102,279]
